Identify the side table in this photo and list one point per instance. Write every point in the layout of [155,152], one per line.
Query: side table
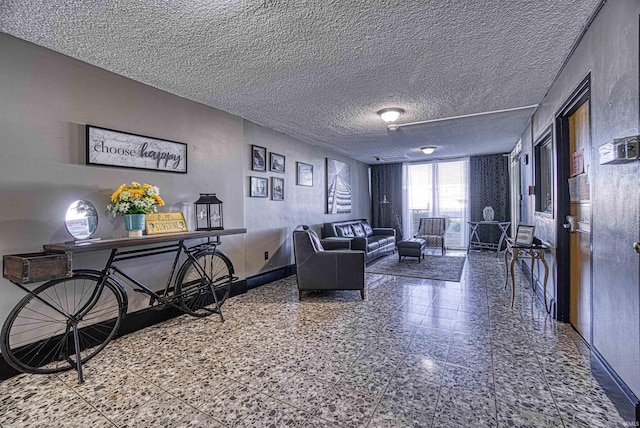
[533,252]
[474,238]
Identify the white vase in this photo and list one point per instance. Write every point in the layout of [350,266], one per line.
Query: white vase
[487,213]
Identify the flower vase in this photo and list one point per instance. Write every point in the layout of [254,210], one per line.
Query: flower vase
[487,213]
[134,224]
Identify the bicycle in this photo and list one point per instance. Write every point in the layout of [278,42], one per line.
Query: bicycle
[65,322]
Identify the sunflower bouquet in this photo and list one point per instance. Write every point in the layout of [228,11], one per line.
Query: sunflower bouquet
[135,198]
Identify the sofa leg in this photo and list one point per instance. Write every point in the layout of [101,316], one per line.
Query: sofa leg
[362,293]
[299,294]
[399,258]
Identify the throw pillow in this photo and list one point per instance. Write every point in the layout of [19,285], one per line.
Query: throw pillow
[345,231]
[368,230]
[315,240]
[358,230]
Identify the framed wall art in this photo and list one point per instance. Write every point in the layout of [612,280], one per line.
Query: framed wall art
[108,147]
[276,162]
[338,187]
[258,187]
[258,158]
[304,174]
[277,189]
[524,234]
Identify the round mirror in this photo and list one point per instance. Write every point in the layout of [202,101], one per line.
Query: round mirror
[81,220]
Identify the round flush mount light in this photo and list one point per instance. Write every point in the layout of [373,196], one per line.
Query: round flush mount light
[428,150]
[390,114]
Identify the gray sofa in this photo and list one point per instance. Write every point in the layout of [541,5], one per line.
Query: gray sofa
[374,241]
[319,268]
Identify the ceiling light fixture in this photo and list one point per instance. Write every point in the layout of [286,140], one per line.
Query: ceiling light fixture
[390,114]
[428,150]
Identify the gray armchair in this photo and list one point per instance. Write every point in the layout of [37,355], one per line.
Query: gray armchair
[323,269]
[432,230]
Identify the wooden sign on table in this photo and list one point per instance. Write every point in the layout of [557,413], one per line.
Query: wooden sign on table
[165,223]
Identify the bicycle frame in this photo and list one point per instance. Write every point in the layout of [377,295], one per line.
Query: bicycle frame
[110,268]
[164,296]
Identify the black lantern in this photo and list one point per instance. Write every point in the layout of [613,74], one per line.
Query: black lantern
[208,212]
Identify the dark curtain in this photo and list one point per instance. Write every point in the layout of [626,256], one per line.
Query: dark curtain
[386,180]
[489,186]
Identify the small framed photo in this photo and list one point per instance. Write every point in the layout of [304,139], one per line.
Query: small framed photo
[258,158]
[277,189]
[259,187]
[305,174]
[524,234]
[276,162]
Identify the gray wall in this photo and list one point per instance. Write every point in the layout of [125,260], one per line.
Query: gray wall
[47,98]
[609,50]
[270,223]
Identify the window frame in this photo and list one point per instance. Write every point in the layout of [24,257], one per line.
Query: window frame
[544,142]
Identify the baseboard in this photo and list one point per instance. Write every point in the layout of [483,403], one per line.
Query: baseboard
[136,321]
[272,275]
[618,392]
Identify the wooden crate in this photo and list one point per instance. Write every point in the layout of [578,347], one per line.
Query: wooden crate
[36,267]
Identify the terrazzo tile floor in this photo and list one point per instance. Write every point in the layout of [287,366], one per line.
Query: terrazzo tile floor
[415,353]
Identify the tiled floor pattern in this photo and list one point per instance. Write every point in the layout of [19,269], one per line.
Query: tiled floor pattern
[415,353]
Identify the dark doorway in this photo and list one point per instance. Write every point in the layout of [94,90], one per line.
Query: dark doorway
[573,220]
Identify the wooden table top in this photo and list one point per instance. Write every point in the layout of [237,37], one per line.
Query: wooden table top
[108,244]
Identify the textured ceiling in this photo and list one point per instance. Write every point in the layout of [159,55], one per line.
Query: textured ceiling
[319,70]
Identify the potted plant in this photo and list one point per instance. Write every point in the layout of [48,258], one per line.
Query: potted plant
[134,202]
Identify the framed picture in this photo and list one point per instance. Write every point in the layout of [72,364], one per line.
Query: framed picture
[338,187]
[258,158]
[276,162]
[305,174]
[524,234]
[277,189]
[259,187]
[124,150]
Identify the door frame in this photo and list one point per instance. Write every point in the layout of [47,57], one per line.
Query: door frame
[579,96]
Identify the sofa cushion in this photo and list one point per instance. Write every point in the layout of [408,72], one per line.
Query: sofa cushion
[382,240]
[372,245]
[358,230]
[368,230]
[388,240]
[345,231]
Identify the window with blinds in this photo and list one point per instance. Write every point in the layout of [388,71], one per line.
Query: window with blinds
[438,189]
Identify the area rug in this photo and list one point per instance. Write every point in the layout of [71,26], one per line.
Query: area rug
[441,268]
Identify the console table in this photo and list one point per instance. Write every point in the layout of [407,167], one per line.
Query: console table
[533,252]
[109,244]
[67,323]
[474,238]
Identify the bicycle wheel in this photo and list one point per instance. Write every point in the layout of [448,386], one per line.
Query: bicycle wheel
[196,282]
[38,337]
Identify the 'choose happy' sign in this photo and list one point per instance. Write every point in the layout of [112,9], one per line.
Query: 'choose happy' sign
[114,148]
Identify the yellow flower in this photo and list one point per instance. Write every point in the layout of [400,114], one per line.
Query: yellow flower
[135,198]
